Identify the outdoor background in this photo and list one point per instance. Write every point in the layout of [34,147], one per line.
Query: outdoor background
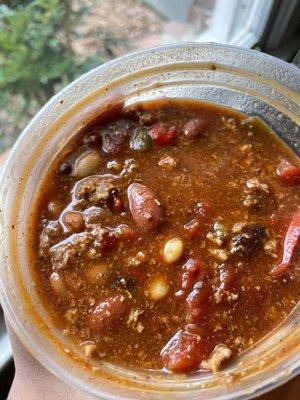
[45,44]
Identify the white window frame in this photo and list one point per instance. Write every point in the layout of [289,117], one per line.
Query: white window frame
[223,20]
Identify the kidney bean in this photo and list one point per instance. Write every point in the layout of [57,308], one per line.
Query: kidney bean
[184,352]
[116,205]
[73,221]
[109,312]
[114,135]
[195,127]
[145,208]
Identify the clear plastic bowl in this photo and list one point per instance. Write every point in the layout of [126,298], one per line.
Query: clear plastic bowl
[243,79]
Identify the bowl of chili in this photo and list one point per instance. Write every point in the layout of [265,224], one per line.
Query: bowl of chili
[167,83]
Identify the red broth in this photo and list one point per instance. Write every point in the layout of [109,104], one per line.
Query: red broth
[168,236]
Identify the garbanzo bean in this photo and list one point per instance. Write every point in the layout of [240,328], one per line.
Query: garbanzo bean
[173,250]
[87,164]
[158,289]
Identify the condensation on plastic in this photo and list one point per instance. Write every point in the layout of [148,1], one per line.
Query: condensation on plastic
[246,80]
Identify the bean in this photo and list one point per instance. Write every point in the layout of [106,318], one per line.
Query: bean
[173,250]
[158,289]
[57,284]
[73,221]
[195,127]
[65,169]
[114,136]
[145,208]
[109,312]
[87,164]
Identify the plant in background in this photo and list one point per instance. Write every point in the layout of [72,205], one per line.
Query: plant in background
[36,58]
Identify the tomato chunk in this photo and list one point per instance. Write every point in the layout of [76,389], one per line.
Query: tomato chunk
[197,303]
[184,352]
[288,172]
[193,270]
[163,134]
[290,246]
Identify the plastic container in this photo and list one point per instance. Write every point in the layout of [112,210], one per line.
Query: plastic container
[243,79]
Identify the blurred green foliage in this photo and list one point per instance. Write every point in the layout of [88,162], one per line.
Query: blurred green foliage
[36,58]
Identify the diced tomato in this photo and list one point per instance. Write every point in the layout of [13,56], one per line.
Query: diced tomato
[193,270]
[184,352]
[288,172]
[193,328]
[197,303]
[227,275]
[163,134]
[290,246]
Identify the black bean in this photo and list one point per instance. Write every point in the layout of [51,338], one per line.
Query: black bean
[65,169]
[250,238]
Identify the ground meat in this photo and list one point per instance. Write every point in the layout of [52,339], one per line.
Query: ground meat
[256,193]
[94,215]
[69,250]
[270,247]
[167,163]
[50,235]
[220,355]
[94,191]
